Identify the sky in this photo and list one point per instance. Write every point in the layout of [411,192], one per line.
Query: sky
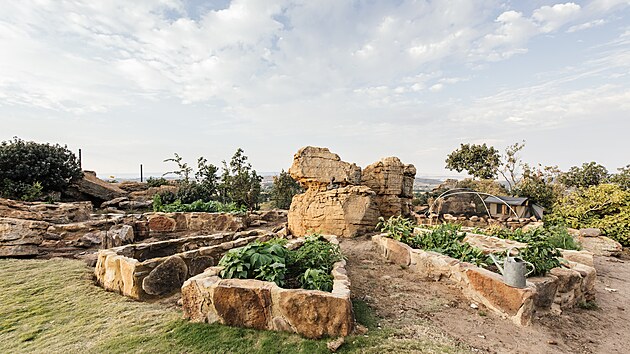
[132,82]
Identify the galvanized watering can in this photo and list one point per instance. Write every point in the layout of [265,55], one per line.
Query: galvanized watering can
[514,270]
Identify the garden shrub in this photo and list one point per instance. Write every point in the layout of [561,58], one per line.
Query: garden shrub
[29,169]
[605,206]
[308,266]
[196,206]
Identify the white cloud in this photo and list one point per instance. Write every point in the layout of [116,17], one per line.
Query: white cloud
[586,25]
[550,18]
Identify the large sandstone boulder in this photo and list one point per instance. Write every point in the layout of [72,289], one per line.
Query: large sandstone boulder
[600,245]
[98,189]
[21,237]
[345,212]
[317,168]
[58,213]
[166,278]
[393,183]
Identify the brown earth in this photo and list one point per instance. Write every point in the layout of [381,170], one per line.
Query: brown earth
[427,310]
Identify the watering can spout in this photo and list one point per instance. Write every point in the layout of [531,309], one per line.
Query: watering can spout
[497,263]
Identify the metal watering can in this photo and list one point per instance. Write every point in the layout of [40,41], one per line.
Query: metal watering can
[514,270]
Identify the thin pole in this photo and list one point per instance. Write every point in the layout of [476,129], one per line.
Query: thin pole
[141,177]
[80,166]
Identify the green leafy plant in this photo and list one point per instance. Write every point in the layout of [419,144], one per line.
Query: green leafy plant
[308,266]
[448,240]
[397,227]
[540,250]
[197,206]
[259,260]
[316,279]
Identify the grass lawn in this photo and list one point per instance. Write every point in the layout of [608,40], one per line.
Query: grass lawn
[52,306]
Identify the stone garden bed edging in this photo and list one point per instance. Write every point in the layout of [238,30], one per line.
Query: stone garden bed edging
[264,305]
[149,270]
[560,289]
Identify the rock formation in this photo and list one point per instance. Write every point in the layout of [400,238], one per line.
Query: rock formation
[343,201]
[393,183]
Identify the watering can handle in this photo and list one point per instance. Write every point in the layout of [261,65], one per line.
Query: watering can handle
[496,262]
[533,268]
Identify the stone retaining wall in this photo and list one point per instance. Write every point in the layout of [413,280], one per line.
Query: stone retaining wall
[151,270]
[560,289]
[264,305]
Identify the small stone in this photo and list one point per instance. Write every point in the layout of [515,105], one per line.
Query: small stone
[474,306]
[360,329]
[552,342]
[335,344]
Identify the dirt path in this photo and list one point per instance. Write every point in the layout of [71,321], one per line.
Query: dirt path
[429,310]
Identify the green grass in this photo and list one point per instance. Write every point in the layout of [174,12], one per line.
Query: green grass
[52,306]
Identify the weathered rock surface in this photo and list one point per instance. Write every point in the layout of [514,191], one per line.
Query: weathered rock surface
[147,195]
[345,212]
[600,245]
[118,235]
[393,183]
[316,316]
[21,237]
[58,213]
[97,188]
[317,168]
[245,302]
[166,278]
[590,232]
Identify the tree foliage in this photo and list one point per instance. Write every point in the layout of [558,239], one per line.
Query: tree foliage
[479,161]
[622,178]
[240,183]
[540,185]
[283,189]
[605,206]
[512,164]
[590,174]
[28,169]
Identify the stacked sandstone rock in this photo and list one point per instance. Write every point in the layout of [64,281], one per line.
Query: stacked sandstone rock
[343,201]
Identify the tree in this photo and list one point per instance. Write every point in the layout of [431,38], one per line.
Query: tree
[240,184]
[622,178]
[28,168]
[590,174]
[479,161]
[511,164]
[540,185]
[283,189]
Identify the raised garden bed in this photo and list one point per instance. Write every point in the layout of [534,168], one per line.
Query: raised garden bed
[151,270]
[560,289]
[264,305]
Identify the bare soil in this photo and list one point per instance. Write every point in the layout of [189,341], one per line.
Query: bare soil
[424,310]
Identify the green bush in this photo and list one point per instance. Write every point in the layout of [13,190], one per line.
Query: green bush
[605,206]
[156,182]
[29,169]
[196,206]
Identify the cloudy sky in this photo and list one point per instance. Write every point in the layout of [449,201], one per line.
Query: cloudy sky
[132,82]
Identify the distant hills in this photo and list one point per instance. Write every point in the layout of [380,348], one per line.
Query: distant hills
[421,183]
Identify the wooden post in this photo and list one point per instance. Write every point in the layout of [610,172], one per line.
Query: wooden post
[141,177]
